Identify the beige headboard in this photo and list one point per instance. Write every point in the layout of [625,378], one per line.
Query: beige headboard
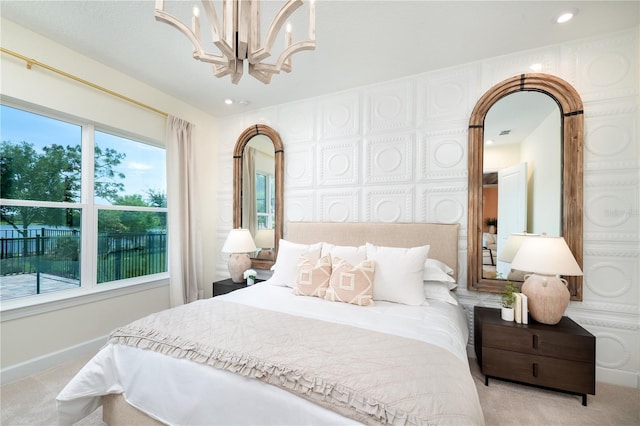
[443,238]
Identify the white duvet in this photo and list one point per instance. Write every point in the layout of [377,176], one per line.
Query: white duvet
[180,392]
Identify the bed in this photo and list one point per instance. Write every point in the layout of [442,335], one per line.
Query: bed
[274,353]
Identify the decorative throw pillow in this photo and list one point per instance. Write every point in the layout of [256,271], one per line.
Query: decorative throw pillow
[438,290]
[353,255]
[399,273]
[351,284]
[287,261]
[312,279]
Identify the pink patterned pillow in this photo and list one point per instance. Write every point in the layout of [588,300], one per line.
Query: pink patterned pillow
[351,284]
[312,280]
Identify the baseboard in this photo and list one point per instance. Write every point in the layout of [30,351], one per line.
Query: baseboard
[53,359]
[617,377]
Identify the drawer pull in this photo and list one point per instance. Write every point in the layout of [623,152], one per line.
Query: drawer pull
[535,369]
[535,342]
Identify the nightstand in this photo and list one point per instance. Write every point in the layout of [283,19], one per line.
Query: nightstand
[227,286]
[560,357]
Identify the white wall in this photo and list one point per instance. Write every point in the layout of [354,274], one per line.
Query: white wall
[397,151]
[27,342]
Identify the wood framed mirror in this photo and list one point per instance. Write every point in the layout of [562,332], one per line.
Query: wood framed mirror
[258,205]
[571,155]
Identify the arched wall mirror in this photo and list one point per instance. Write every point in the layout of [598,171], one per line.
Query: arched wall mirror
[258,190]
[525,174]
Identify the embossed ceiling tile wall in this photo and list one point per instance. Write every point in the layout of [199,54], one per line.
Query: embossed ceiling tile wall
[610,139]
[296,122]
[610,276]
[388,204]
[298,166]
[447,95]
[497,69]
[388,158]
[390,107]
[299,207]
[443,203]
[268,116]
[612,208]
[607,67]
[339,116]
[338,163]
[225,210]
[615,346]
[338,205]
[443,155]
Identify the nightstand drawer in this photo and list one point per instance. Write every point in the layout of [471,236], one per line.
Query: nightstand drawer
[539,342]
[538,370]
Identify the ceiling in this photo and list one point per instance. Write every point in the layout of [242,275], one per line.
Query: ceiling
[358,42]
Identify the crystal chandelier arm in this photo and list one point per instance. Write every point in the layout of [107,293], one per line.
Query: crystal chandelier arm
[257,54]
[198,52]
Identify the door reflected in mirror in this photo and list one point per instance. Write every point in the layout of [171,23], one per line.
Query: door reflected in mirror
[258,194]
[522,176]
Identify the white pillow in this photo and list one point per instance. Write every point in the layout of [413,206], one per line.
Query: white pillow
[353,255]
[434,270]
[399,273]
[287,261]
[437,290]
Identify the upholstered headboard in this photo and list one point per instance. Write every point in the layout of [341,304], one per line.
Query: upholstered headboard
[443,238]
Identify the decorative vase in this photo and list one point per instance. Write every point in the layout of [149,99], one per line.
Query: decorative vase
[492,229]
[547,296]
[507,314]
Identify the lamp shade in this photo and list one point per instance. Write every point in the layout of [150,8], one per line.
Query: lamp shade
[239,241]
[546,256]
[265,238]
[513,245]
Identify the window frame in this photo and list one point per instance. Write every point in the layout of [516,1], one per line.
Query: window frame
[89,290]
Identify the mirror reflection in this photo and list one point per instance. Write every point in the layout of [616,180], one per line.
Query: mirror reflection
[258,194]
[522,177]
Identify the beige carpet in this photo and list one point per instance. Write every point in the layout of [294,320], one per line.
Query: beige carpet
[31,402]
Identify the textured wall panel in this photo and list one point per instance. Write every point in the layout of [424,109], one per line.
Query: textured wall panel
[338,163]
[388,159]
[296,122]
[608,68]
[339,116]
[444,204]
[610,276]
[390,107]
[299,206]
[388,204]
[446,96]
[298,165]
[338,205]
[443,155]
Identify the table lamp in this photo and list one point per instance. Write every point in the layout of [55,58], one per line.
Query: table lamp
[265,240]
[514,242]
[547,293]
[239,243]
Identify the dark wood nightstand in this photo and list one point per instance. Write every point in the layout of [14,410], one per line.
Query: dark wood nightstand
[227,286]
[560,357]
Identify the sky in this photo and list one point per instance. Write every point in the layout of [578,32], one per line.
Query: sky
[143,162]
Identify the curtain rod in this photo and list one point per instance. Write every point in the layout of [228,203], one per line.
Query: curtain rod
[31,62]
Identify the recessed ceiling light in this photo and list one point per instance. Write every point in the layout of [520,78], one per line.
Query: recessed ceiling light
[566,16]
[228,101]
[489,142]
[536,67]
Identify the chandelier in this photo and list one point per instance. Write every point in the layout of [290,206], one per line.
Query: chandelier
[238,38]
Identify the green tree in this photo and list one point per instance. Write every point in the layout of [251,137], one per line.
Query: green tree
[51,175]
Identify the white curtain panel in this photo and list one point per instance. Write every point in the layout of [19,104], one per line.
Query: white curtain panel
[249,208]
[185,264]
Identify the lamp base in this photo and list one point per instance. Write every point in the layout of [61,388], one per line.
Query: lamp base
[238,263]
[548,297]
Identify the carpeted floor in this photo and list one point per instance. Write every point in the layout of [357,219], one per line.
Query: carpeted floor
[31,402]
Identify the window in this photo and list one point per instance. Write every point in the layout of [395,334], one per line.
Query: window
[79,207]
[265,200]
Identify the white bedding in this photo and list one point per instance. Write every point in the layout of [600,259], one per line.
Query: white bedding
[176,391]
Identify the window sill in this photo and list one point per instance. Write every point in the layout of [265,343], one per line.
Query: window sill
[34,305]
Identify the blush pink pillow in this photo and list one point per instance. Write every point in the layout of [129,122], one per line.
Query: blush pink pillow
[312,279]
[351,284]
